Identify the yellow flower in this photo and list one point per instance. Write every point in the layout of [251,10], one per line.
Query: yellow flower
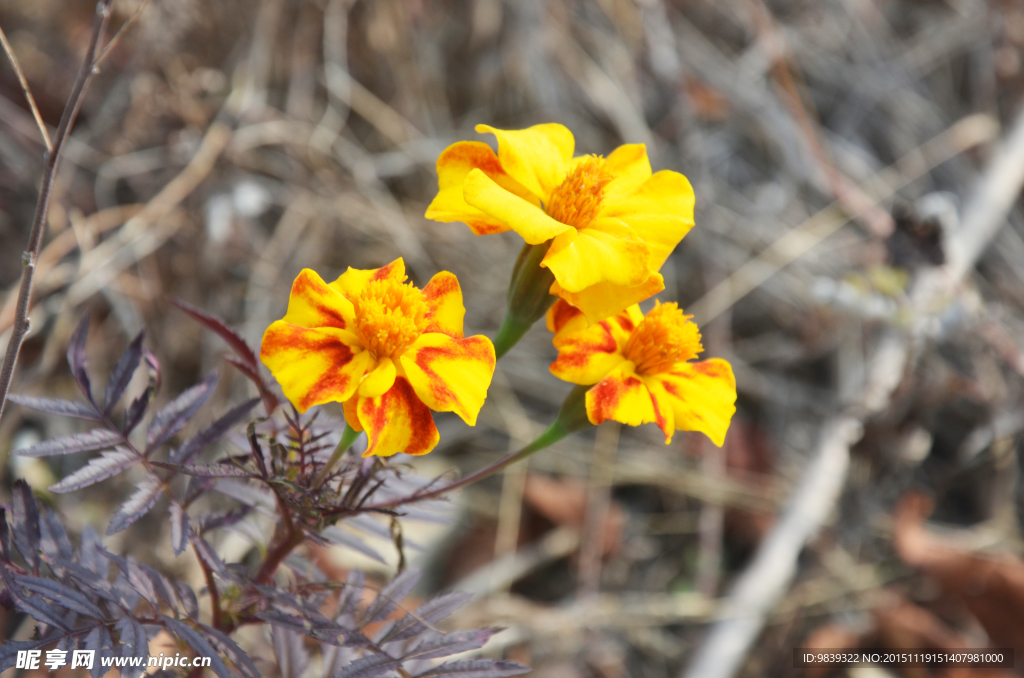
[642,371]
[610,222]
[388,351]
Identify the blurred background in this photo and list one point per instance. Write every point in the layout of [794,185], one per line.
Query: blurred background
[832,145]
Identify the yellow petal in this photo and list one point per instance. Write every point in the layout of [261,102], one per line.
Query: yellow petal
[313,303]
[397,421]
[586,356]
[537,157]
[524,218]
[562,314]
[664,413]
[350,407]
[379,380]
[314,366]
[631,167]
[604,299]
[702,395]
[444,298]
[623,397]
[351,282]
[451,375]
[452,167]
[588,257]
[660,211]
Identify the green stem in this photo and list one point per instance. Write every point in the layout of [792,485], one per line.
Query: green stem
[348,437]
[528,297]
[572,417]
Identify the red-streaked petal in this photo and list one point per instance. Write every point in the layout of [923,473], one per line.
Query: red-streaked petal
[452,167]
[397,421]
[314,366]
[313,303]
[451,375]
[537,157]
[351,282]
[444,298]
[604,299]
[702,395]
[621,396]
[587,354]
[561,314]
[351,409]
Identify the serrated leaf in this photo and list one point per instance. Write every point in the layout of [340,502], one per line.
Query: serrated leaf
[211,322]
[26,524]
[336,535]
[212,471]
[41,611]
[137,505]
[175,414]
[179,528]
[476,668]
[351,594]
[53,537]
[232,650]
[60,594]
[134,413]
[188,599]
[369,667]
[90,552]
[76,356]
[213,432]
[64,408]
[96,439]
[451,643]
[209,556]
[108,464]
[390,596]
[289,651]
[201,646]
[428,613]
[122,374]
[5,536]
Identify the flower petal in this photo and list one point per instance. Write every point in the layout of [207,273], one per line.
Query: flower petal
[444,298]
[621,396]
[561,314]
[451,375]
[587,355]
[631,167]
[604,300]
[702,395]
[379,381]
[537,157]
[314,366]
[351,282]
[397,421]
[660,211]
[351,409]
[313,303]
[452,167]
[592,256]
[525,218]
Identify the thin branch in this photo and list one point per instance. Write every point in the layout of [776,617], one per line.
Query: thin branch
[120,32]
[28,93]
[35,241]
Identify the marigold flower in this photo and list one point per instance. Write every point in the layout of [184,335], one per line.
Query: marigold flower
[642,370]
[610,222]
[388,351]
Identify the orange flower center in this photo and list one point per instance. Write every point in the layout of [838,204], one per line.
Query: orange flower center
[577,199]
[390,315]
[664,337]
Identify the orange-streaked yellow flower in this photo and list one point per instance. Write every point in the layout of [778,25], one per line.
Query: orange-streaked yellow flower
[642,371]
[388,351]
[611,223]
